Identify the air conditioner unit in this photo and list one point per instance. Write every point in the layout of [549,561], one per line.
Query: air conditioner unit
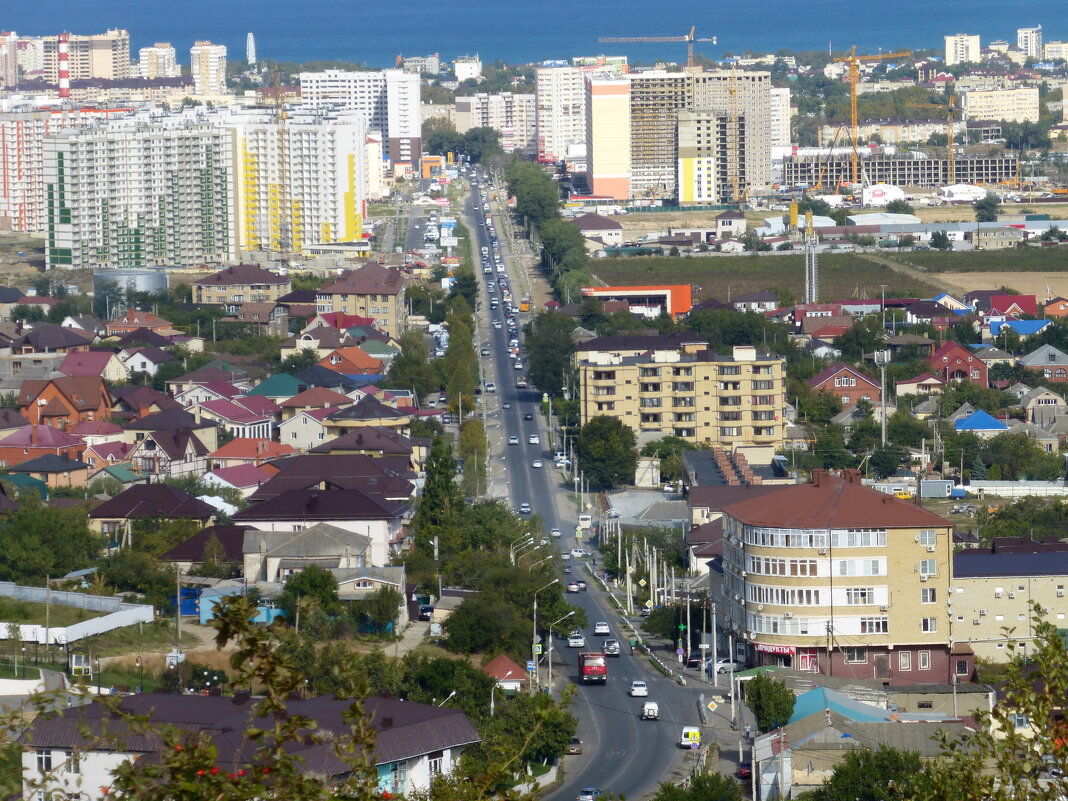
[1060,593]
[1012,595]
[787,614]
[884,608]
[744,574]
[924,577]
[930,549]
[760,607]
[822,551]
[976,621]
[982,613]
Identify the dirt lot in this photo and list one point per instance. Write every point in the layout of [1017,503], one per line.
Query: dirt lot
[1024,282]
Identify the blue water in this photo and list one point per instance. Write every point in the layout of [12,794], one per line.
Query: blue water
[521,31]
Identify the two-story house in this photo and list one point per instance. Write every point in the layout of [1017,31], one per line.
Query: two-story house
[954,362]
[846,383]
[1051,362]
[242,283]
[64,402]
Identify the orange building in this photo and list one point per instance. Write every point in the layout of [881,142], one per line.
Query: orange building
[352,361]
[64,402]
[675,299]
[133,320]
[30,442]
[1057,307]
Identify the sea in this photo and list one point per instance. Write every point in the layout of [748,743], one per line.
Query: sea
[376,32]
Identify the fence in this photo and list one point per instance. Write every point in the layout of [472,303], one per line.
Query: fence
[117,615]
[1019,489]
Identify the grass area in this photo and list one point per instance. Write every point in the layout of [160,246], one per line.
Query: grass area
[22,672]
[26,612]
[375,210]
[1051,259]
[843,275]
[150,637]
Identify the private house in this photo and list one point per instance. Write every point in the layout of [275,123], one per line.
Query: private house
[1013,306]
[94,364]
[148,502]
[31,442]
[85,323]
[1045,439]
[338,320]
[323,340]
[1055,307]
[48,338]
[373,290]
[890,563]
[144,360]
[367,411]
[846,383]
[132,320]
[199,394]
[508,674]
[601,229]
[134,403]
[251,418]
[55,470]
[240,284]
[263,319]
[991,356]
[1050,361]
[274,556]
[923,384]
[981,424]
[242,451]
[1024,329]
[97,432]
[760,302]
[170,453]
[352,361]
[1042,406]
[233,375]
[245,478]
[64,402]
[278,387]
[730,224]
[306,429]
[377,441]
[174,419]
[313,398]
[383,477]
[902,344]
[107,454]
[954,362]
[191,553]
[951,303]
[413,742]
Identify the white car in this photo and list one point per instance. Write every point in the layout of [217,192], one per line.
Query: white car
[601,628]
[524,509]
[578,553]
[576,641]
[534,439]
[725,665]
[556,532]
[497,324]
[513,440]
[536,464]
[639,689]
[491,387]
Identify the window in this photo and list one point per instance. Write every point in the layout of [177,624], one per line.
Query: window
[928,567]
[1018,721]
[855,656]
[874,625]
[860,595]
[73,761]
[44,760]
[928,537]
[925,660]
[434,762]
[929,624]
[904,660]
[928,595]
[845,382]
[961,668]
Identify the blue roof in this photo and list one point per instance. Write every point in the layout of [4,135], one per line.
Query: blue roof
[1024,328]
[817,700]
[979,564]
[980,421]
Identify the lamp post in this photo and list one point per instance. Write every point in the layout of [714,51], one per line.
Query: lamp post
[450,695]
[96,665]
[518,544]
[882,304]
[534,636]
[521,550]
[493,689]
[550,660]
[882,358]
[140,675]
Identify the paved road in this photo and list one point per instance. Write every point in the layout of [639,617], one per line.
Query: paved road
[623,754]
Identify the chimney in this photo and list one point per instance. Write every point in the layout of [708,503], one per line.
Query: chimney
[33,435]
[63,50]
[818,477]
[853,476]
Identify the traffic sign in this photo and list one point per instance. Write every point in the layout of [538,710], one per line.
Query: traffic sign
[704,646]
[712,706]
[641,583]
[537,649]
[648,604]
[695,746]
[530,666]
[545,397]
[630,568]
[679,652]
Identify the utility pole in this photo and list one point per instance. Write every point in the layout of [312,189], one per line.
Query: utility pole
[715,649]
[882,359]
[730,653]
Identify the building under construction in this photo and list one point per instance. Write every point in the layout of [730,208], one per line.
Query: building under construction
[908,170]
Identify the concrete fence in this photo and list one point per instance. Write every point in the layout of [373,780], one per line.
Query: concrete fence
[1020,489]
[115,614]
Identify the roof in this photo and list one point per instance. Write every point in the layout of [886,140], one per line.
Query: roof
[595,222]
[324,471]
[978,564]
[929,378]
[279,385]
[351,504]
[45,336]
[1002,303]
[153,500]
[904,340]
[639,342]
[501,666]
[371,278]
[207,375]
[232,411]
[139,319]
[317,541]
[143,336]
[352,359]
[1044,356]
[316,397]
[49,463]
[979,421]
[241,476]
[86,363]
[828,373]
[368,408]
[96,427]
[368,438]
[35,436]
[249,448]
[175,417]
[176,442]
[832,502]
[192,550]
[152,354]
[760,296]
[242,274]
[1024,328]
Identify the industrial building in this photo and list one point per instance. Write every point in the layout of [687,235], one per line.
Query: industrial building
[920,170]
[675,386]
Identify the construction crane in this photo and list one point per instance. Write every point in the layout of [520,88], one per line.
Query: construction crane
[689,39]
[949,108]
[853,60]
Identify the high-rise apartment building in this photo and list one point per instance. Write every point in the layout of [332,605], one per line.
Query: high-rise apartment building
[207,63]
[608,137]
[560,95]
[675,386]
[158,61]
[250,49]
[780,116]
[104,56]
[511,115]
[707,168]
[1029,40]
[388,100]
[1019,104]
[22,138]
[962,48]
[1055,51]
[304,186]
[140,191]
[9,58]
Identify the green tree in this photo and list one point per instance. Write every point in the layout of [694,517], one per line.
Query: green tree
[378,612]
[479,144]
[885,774]
[549,349]
[606,452]
[37,541]
[940,240]
[473,450]
[702,787]
[563,248]
[771,701]
[412,368]
[441,502]
[887,460]
[480,624]
[829,449]
[310,584]
[986,210]
[899,207]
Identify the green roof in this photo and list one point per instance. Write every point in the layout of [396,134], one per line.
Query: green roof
[24,481]
[122,473]
[372,346]
[280,385]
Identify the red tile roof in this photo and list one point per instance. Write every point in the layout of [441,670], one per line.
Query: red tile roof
[242,475]
[33,436]
[86,363]
[316,397]
[828,373]
[500,666]
[249,448]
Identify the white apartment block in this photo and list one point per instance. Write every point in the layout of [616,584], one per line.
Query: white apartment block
[1029,40]
[22,182]
[1013,105]
[140,191]
[304,188]
[388,100]
[104,56]
[1055,51]
[158,61]
[962,48]
[560,97]
[9,59]
[207,63]
[31,54]
[467,68]
[780,116]
[512,116]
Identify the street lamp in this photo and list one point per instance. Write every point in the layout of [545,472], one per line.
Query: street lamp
[97,666]
[493,688]
[551,625]
[518,544]
[534,636]
[540,561]
[882,358]
[450,695]
[140,675]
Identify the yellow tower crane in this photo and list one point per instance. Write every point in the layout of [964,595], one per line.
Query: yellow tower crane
[949,108]
[853,60]
[688,38]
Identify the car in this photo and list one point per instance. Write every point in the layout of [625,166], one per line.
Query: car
[518,365]
[497,324]
[524,509]
[575,746]
[426,612]
[491,387]
[725,665]
[528,416]
[639,689]
[485,351]
[696,659]
[506,405]
[534,439]
[601,627]
[745,770]
[646,611]
[576,641]
[556,532]
[610,647]
[590,794]
[513,440]
[578,553]
[537,464]
[567,570]
[572,586]
[582,585]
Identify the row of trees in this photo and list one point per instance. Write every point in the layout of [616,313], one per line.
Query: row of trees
[477,144]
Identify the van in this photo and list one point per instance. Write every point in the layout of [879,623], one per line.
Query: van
[691,737]
[585,521]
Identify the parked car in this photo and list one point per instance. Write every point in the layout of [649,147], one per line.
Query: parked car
[639,689]
[426,612]
[745,770]
[590,794]
[725,665]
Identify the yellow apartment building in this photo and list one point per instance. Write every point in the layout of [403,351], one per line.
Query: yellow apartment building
[242,283]
[372,290]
